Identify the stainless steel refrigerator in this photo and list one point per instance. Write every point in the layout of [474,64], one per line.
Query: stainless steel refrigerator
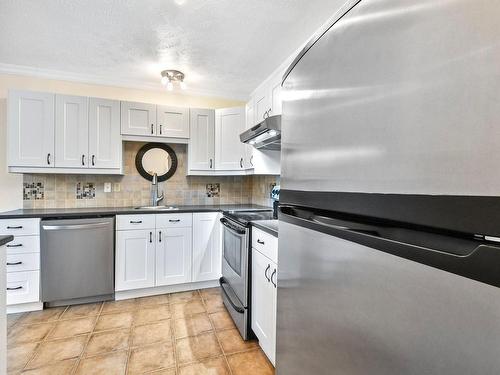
[389,250]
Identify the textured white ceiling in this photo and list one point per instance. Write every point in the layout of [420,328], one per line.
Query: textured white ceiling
[225,47]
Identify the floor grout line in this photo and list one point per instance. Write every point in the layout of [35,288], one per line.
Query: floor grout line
[75,368]
[204,298]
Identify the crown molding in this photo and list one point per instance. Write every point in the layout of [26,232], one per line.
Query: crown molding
[60,75]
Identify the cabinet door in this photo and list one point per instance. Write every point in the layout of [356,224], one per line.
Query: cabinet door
[138,118]
[264,303]
[201,152]
[173,256]
[135,259]
[262,104]
[105,144]
[207,252]
[275,93]
[172,122]
[230,152]
[250,114]
[30,131]
[72,131]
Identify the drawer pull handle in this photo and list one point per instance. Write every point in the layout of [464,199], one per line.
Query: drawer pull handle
[14,264]
[260,241]
[16,288]
[174,221]
[136,222]
[265,272]
[150,237]
[159,236]
[18,227]
[16,245]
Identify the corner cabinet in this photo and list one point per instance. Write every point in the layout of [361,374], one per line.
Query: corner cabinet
[52,133]
[30,130]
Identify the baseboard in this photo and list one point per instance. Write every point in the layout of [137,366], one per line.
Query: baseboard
[146,292]
[24,307]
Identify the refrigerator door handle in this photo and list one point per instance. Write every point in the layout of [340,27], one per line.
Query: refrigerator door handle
[463,255]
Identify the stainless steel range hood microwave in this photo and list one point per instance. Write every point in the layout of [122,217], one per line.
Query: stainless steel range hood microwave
[266,135]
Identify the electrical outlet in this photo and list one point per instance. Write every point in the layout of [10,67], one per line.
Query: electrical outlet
[117,186]
[107,187]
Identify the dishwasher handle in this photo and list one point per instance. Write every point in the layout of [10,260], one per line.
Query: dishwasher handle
[75,226]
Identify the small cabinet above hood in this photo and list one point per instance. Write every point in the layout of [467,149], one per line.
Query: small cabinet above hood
[266,135]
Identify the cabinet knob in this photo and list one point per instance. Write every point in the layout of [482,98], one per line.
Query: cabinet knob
[211,164]
[48,158]
[152,129]
[241,163]
[93,160]
[83,159]
[160,129]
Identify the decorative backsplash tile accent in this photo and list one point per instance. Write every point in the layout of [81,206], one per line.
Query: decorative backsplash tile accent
[59,190]
[213,190]
[85,191]
[33,191]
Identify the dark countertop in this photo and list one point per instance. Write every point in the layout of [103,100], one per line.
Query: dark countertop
[5,239]
[269,226]
[108,211]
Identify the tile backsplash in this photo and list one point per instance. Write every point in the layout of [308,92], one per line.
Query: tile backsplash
[70,191]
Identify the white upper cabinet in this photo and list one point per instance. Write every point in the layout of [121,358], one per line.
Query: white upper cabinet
[138,119]
[250,114]
[230,152]
[201,148]
[173,256]
[71,131]
[105,146]
[275,92]
[30,129]
[207,252]
[262,104]
[172,122]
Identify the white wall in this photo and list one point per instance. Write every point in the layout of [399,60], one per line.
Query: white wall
[11,184]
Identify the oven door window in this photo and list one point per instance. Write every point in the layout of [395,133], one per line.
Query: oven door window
[233,245]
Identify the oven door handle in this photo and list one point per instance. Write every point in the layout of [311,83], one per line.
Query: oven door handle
[222,282]
[233,230]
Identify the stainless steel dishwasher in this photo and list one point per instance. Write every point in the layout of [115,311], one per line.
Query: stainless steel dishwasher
[77,260]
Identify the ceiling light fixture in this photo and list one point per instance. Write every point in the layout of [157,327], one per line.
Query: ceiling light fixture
[169,77]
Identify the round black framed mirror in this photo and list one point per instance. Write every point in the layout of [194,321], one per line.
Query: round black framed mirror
[156,158]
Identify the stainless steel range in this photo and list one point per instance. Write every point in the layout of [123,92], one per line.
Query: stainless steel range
[235,280]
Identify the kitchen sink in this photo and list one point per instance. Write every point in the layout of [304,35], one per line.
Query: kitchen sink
[157,208]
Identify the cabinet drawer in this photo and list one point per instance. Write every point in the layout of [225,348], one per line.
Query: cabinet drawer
[23,287]
[20,227]
[23,262]
[24,244]
[174,220]
[266,243]
[130,222]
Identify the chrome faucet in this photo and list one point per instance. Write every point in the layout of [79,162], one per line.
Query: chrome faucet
[155,198]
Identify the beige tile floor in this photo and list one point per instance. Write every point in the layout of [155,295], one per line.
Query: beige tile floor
[187,333]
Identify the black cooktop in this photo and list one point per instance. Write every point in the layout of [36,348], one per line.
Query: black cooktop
[245,217]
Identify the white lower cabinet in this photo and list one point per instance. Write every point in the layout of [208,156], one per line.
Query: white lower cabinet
[23,287]
[166,249]
[264,298]
[173,256]
[207,251]
[135,259]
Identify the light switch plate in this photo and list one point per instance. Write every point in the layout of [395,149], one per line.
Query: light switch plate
[117,186]
[107,187]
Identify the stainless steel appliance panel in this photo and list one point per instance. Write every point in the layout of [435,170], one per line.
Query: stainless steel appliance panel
[77,259]
[345,308]
[235,258]
[397,97]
